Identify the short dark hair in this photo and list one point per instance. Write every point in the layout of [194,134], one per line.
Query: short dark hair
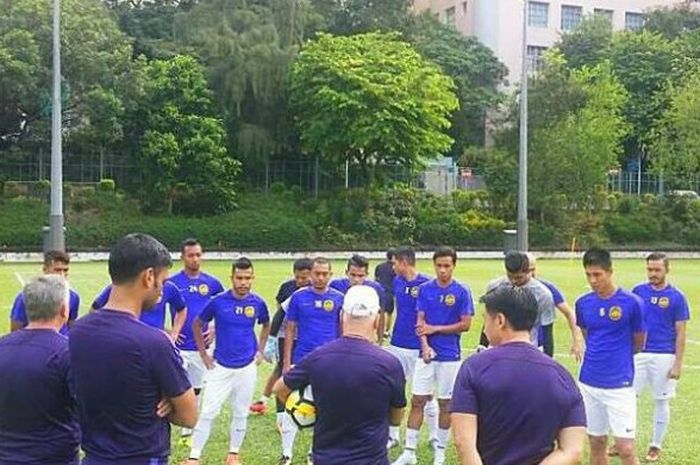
[595,256]
[242,263]
[658,256]
[321,261]
[56,256]
[358,261]
[302,264]
[516,262]
[189,242]
[134,253]
[517,304]
[445,251]
[405,254]
[390,253]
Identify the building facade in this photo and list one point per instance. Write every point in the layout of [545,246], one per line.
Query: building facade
[498,23]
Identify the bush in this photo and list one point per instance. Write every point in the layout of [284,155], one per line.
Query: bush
[107,186]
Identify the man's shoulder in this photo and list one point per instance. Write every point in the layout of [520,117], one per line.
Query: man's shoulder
[494,283]
[587,298]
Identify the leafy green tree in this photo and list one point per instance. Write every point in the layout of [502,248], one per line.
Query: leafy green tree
[588,44]
[370,99]
[347,17]
[673,21]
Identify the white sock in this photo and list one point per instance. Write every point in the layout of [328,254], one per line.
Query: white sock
[411,440]
[662,417]
[264,399]
[430,412]
[394,432]
[280,419]
[289,433]
[443,435]
[239,426]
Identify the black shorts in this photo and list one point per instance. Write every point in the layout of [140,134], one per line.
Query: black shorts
[388,304]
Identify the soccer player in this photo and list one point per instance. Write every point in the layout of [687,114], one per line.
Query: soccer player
[197,288]
[518,274]
[613,327]
[301,278]
[313,319]
[405,344]
[38,419]
[512,404]
[444,311]
[659,365]
[171,299]
[384,274]
[546,332]
[357,273]
[234,368]
[55,262]
[129,377]
[357,403]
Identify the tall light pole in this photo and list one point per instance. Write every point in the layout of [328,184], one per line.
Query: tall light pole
[56,237]
[522,225]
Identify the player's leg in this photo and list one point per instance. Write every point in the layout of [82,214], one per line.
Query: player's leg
[446,373]
[407,358]
[195,374]
[664,389]
[548,339]
[259,407]
[597,424]
[278,370]
[241,396]
[423,385]
[220,383]
[621,405]
[288,431]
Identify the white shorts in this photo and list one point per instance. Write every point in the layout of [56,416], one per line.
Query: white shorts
[235,384]
[195,368]
[652,370]
[407,357]
[435,378]
[610,410]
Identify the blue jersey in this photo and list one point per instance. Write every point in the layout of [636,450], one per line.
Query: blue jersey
[556,293]
[154,316]
[19,310]
[610,325]
[406,294]
[444,306]
[235,319]
[197,292]
[317,316]
[662,309]
[343,284]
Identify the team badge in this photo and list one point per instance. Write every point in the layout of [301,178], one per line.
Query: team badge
[249,311]
[615,313]
[328,305]
[203,289]
[414,291]
[664,302]
[450,300]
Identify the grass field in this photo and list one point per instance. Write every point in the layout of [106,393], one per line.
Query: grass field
[262,445]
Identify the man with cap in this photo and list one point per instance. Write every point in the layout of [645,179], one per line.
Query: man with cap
[357,404]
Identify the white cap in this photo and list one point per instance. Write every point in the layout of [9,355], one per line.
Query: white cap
[361,301]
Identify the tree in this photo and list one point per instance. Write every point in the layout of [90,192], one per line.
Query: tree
[183,156]
[476,71]
[675,151]
[370,99]
[588,44]
[347,17]
[673,21]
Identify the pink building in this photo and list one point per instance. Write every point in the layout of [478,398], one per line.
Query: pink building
[498,23]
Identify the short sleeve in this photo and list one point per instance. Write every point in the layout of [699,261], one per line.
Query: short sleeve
[217,287]
[175,299]
[74,302]
[281,294]
[579,315]
[168,369]
[300,375]
[18,312]
[682,312]
[263,313]
[556,295]
[638,324]
[467,304]
[422,300]
[293,308]
[101,300]
[464,394]
[207,314]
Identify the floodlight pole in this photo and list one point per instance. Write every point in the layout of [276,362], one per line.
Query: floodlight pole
[522,224]
[56,236]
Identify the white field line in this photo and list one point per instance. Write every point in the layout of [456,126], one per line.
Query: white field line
[19,278]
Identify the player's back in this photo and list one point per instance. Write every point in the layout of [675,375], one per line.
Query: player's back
[122,369]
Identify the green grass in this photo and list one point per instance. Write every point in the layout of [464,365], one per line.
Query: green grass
[262,445]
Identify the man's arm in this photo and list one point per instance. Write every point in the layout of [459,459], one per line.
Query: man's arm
[184,409]
[461,326]
[395,416]
[426,352]
[675,372]
[201,345]
[290,333]
[281,390]
[464,429]
[262,341]
[178,323]
[576,336]
[640,340]
[569,450]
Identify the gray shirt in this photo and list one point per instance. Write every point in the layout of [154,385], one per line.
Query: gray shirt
[545,302]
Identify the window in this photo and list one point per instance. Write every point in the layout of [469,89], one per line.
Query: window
[464,8]
[602,13]
[537,14]
[570,17]
[535,57]
[634,21]
[450,16]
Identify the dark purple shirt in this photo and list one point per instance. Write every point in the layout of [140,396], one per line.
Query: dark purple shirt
[122,368]
[38,420]
[353,404]
[521,398]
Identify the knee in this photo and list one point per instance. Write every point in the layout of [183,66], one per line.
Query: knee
[625,449]
[598,443]
[418,402]
[444,405]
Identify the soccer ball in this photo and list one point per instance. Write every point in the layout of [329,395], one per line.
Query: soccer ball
[301,408]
